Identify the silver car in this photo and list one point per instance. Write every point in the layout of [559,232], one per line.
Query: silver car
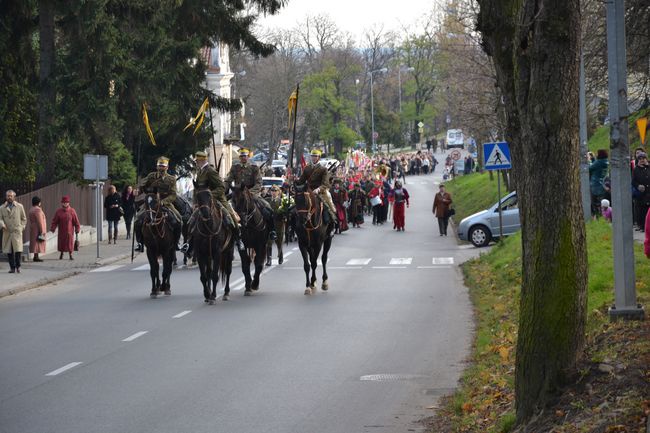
[483,226]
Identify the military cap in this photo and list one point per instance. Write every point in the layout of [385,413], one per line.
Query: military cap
[163,161]
[244,152]
[200,155]
[315,152]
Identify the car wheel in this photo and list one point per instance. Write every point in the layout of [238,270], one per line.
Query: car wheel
[480,236]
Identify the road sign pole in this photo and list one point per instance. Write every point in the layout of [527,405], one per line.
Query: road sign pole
[97,200]
[499,194]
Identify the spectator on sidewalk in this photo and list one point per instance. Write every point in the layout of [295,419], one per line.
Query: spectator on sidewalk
[646,243]
[65,219]
[606,210]
[128,204]
[37,229]
[113,206]
[641,182]
[441,205]
[12,223]
[597,171]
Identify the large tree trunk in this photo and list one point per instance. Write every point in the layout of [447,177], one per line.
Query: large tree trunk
[46,142]
[535,45]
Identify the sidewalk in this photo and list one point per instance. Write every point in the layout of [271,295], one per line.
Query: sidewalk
[52,269]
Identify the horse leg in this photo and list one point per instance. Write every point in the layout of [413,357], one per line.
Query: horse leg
[227,270]
[214,277]
[326,248]
[153,272]
[203,269]
[305,265]
[314,264]
[246,270]
[259,266]
[167,272]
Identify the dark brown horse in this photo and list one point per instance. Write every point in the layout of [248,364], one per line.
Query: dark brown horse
[213,246]
[254,235]
[158,237]
[313,235]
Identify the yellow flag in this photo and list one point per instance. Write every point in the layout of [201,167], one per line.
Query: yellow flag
[145,120]
[293,102]
[642,124]
[200,116]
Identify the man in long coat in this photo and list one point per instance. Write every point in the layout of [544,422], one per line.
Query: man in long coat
[66,220]
[12,223]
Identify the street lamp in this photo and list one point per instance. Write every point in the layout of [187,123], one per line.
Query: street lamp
[399,82]
[372,106]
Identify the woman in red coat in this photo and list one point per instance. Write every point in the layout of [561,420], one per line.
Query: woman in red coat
[340,199]
[67,222]
[37,229]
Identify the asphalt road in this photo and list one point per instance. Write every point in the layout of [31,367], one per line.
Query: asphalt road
[371,355]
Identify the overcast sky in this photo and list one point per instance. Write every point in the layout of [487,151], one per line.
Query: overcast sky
[353,15]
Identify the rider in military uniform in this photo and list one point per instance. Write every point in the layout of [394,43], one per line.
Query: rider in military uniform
[318,179]
[248,175]
[208,178]
[164,184]
[280,206]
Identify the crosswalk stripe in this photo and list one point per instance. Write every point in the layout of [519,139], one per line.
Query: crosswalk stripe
[357,262]
[401,261]
[144,267]
[107,268]
[443,261]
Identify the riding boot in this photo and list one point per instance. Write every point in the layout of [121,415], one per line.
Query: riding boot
[109,236]
[270,223]
[238,242]
[115,236]
[137,230]
[269,252]
[177,235]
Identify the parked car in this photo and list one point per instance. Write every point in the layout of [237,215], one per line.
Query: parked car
[268,182]
[259,158]
[482,227]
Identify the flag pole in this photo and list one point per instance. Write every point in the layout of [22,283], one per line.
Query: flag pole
[295,121]
[214,147]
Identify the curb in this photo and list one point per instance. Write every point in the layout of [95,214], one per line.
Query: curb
[63,276]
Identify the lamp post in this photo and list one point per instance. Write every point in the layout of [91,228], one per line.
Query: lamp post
[399,82]
[372,107]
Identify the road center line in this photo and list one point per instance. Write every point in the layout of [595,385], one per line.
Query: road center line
[64,368]
[184,313]
[134,336]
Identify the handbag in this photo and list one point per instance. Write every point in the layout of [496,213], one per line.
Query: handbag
[76,242]
[450,212]
[376,200]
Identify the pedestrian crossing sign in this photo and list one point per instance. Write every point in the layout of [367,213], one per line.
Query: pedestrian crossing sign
[496,156]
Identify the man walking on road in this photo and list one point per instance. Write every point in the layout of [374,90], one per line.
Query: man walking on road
[12,223]
[441,205]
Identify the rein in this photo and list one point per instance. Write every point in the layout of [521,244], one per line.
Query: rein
[156,222]
[310,211]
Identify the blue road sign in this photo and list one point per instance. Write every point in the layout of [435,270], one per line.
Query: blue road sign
[496,156]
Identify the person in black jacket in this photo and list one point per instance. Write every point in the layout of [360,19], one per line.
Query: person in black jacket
[113,206]
[128,204]
[641,181]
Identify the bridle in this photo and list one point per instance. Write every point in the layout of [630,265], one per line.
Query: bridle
[156,219]
[250,212]
[310,211]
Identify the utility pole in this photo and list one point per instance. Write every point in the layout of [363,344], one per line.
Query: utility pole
[584,163]
[625,302]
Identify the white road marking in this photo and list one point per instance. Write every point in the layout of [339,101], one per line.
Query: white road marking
[134,336]
[107,268]
[344,267]
[184,313]
[389,267]
[353,262]
[401,261]
[144,267]
[443,261]
[64,368]
[435,267]
[242,285]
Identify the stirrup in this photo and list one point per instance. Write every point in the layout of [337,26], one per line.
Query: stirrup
[185,248]
[273,235]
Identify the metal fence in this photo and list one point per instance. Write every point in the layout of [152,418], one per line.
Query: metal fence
[82,199]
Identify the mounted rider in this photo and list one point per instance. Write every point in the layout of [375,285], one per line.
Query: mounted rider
[248,175]
[318,179]
[164,184]
[208,178]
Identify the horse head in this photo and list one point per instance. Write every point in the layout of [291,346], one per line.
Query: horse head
[151,201]
[204,202]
